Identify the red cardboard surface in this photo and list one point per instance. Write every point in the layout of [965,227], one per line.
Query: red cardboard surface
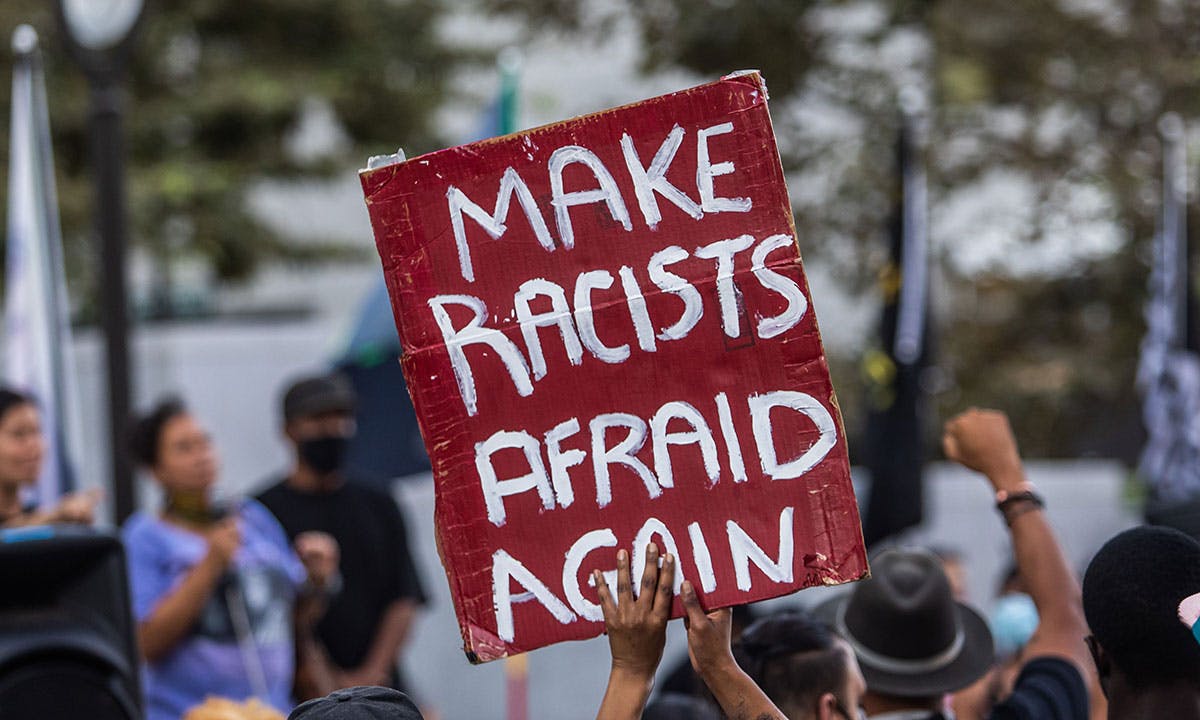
[639,311]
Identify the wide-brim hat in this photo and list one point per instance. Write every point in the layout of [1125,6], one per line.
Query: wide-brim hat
[911,638]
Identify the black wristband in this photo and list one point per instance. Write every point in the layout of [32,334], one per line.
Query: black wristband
[1024,496]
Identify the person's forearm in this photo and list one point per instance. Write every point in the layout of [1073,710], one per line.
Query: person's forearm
[737,694]
[1041,562]
[177,612]
[626,695]
[316,675]
[391,636]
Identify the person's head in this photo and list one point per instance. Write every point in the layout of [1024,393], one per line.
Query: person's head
[913,641]
[359,703]
[806,670]
[677,706]
[172,445]
[1131,596]
[22,445]
[318,420]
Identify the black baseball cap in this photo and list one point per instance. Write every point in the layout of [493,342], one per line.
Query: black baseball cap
[316,395]
[359,703]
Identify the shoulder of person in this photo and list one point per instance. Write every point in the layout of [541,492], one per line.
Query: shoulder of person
[253,511]
[270,490]
[142,533]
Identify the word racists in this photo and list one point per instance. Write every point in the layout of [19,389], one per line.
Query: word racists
[608,340]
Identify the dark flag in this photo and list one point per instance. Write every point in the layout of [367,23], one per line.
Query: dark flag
[1168,370]
[895,424]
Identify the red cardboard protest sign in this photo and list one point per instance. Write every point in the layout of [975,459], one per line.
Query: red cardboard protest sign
[609,340]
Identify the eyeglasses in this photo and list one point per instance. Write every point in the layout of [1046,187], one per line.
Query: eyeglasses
[858,714]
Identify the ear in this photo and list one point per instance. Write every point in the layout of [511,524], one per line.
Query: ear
[1103,663]
[827,707]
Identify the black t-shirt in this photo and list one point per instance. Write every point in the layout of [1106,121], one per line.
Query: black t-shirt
[1047,689]
[376,564]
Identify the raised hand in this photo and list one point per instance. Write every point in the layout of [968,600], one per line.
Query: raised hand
[710,634]
[983,441]
[709,647]
[224,539]
[637,631]
[77,507]
[637,627]
[319,553]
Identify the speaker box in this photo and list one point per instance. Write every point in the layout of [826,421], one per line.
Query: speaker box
[67,649]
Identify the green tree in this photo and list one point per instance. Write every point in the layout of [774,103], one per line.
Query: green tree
[1057,99]
[215,88]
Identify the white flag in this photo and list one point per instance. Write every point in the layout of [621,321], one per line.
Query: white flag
[37,331]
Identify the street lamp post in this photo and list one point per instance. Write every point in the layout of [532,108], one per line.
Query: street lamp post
[99,35]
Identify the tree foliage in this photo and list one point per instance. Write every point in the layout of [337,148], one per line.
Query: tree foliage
[1042,113]
[215,89]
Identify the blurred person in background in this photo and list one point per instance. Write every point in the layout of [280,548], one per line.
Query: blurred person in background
[803,667]
[222,709]
[213,588]
[367,624]
[1054,669]
[22,451]
[914,642]
[677,706]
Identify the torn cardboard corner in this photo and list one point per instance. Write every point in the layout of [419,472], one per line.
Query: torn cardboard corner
[610,341]
[378,161]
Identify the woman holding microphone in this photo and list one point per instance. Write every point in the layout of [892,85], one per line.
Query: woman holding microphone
[216,590]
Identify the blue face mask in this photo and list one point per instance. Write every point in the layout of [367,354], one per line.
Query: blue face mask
[1014,618]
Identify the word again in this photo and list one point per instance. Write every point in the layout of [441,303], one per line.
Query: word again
[648,181]
[549,463]
[573,318]
[775,562]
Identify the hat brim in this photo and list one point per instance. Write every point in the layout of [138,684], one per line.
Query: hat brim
[972,662]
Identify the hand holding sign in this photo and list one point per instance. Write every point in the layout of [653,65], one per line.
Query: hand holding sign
[637,631]
[618,349]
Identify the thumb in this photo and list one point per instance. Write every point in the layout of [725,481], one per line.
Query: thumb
[691,605]
[950,446]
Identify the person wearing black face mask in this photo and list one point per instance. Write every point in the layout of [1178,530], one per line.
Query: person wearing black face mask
[359,639]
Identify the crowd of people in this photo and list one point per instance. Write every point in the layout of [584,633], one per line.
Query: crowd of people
[306,593]
[304,589]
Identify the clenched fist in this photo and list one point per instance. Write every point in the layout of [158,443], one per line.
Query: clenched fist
[320,555]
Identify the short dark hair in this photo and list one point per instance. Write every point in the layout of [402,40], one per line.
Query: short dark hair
[677,706]
[1131,595]
[12,398]
[146,432]
[794,658]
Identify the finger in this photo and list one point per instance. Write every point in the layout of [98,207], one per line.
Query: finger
[606,599]
[950,446]
[624,584]
[666,588]
[691,605]
[649,576]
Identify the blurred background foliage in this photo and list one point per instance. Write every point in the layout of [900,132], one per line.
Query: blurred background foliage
[1042,113]
[1062,97]
[216,92]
